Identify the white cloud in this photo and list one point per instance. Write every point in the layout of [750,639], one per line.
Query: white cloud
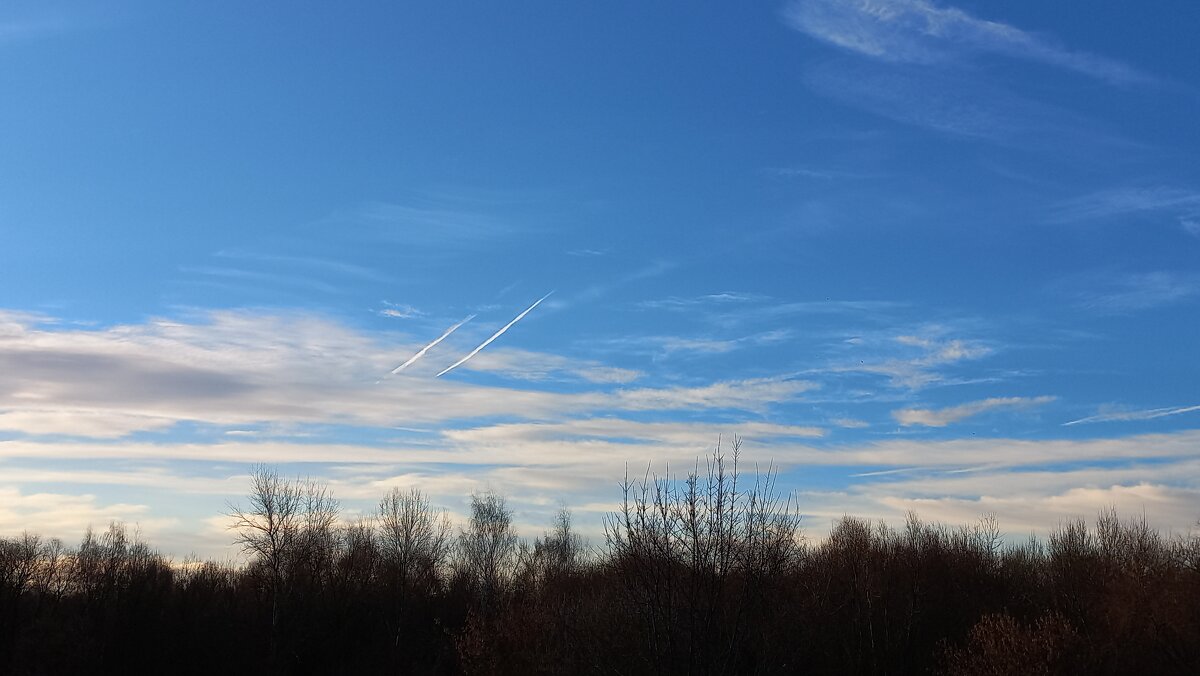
[755,394]
[945,416]
[991,452]
[918,31]
[240,368]
[288,374]
[696,346]
[581,462]
[66,516]
[920,370]
[693,435]
[80,422]
[399,311]
[1165,491]
[1167,507]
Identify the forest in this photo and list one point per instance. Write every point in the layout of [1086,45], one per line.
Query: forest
[710,573]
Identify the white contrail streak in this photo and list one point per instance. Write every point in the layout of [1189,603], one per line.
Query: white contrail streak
[1148,414]
[421,353]
[495,335]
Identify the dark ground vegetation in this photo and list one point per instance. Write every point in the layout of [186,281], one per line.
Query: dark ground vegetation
[707,575]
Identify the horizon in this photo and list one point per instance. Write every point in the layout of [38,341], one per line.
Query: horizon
[930,256]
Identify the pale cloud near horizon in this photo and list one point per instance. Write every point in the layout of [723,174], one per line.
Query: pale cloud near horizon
[66,515]
[240,368]
[582,462]
[944,416]
[254,387]
[922,32]
[615,441]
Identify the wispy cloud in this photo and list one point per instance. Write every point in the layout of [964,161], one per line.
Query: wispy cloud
[1127,202]
[941,417]
[918,31]
[921,369]
[1127,415]
[601,289]
[259,277]
[666,346]
[721,298]
[737,308]
[952,103]
[822,174]
[1133,292]
[541,366]
[308,263]
[676,434]
[18,30]
[399,311]
[493,337]
[427,222]
[756,394]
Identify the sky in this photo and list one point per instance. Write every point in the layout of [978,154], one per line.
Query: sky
[914,255]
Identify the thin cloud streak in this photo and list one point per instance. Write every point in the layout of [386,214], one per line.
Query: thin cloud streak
[954,103]
[1127,200]
[1111,294]
[1147,414]
[421,353]
[945,416]
[495,335]
[917,31]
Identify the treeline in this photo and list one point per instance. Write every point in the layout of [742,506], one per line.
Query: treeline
[705,575]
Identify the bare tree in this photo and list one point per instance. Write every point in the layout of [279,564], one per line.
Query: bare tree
[19,562]
[560,550]
[268,528]
[487,549]
[317,544]
[415,538]
[695,555]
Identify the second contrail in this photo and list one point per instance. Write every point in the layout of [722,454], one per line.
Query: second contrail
[495,335]
[421,353]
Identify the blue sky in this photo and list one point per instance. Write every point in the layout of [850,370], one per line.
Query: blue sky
[918,255]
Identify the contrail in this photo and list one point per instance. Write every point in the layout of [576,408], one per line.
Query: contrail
[421,353]
[495,335]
